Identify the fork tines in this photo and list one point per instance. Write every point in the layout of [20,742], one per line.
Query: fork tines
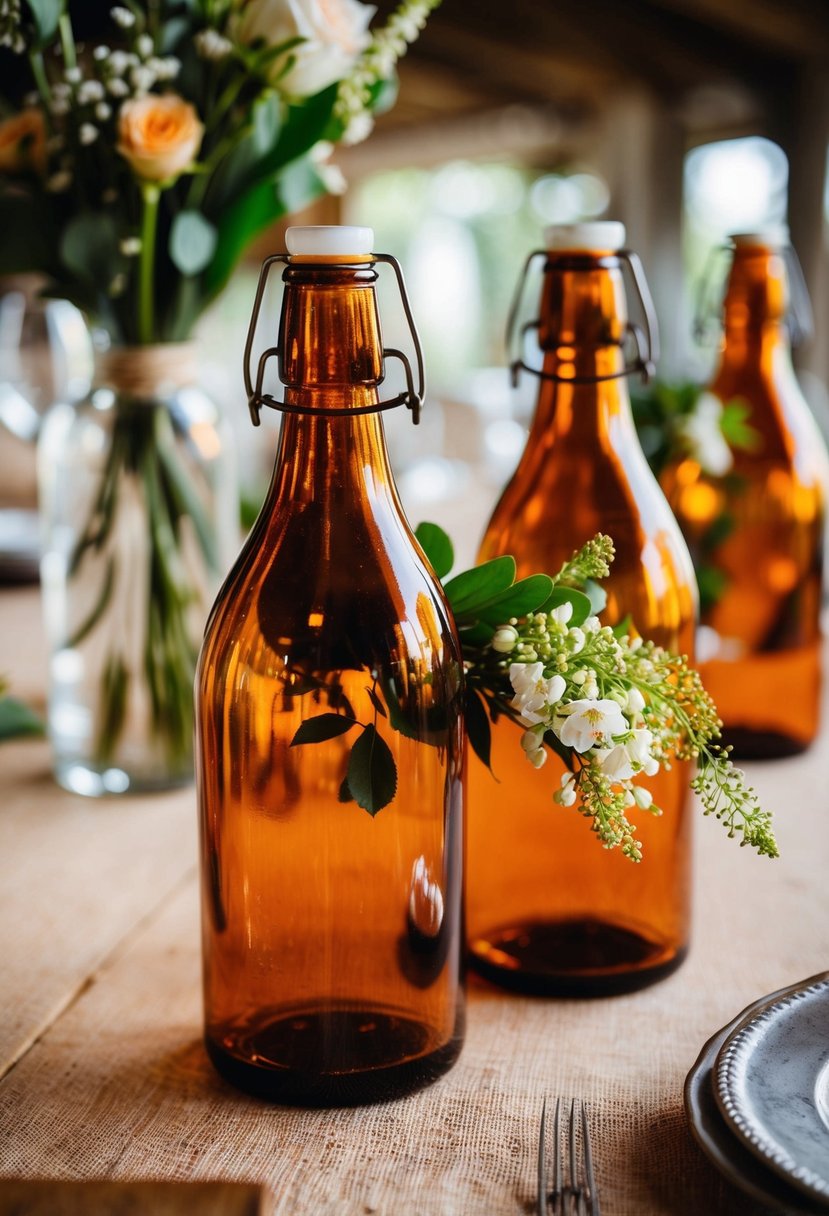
[575,1194]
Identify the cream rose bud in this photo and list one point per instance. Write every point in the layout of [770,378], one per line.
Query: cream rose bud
[159,136]
[335,33]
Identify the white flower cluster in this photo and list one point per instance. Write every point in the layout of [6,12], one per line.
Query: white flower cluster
[11,32]
[377,63]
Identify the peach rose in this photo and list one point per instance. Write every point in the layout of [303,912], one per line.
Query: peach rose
[159,136]
[23,142]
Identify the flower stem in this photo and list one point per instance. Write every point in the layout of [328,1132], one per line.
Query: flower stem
[41,79]
[150,194]
[67,41]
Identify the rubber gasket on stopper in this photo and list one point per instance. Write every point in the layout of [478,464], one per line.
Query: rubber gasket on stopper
[329,240]
[601,236]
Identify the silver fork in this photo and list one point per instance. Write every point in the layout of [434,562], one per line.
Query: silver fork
[577,1195]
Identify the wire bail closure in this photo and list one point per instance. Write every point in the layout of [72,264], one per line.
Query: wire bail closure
[645,341]
[799,317]
[412,398]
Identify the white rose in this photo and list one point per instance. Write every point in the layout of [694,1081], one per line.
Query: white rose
[335,32]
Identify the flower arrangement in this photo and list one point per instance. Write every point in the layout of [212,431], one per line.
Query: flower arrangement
[137,163]
[613,706]
[135,168]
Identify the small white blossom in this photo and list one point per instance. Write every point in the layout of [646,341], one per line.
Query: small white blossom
[566,794]
[123,17]
[533,744]
[119,61]
[592,625]
[118,285]
[61,90]
[210,44]
[145,45]
[577,639]
[702,432]
[635,701]
[118,88]
[562,614]
[90,90]
[642,797]
[504,639]
[358,129]
[88,133]
[103,111]
[590,723]
[130,246]
[615,762]
[142,79]
[534,691]
[59,106]
[73,75]
[639,750]
[101,53]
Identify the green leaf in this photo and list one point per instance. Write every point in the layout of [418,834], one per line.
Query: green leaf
[736,429]
[47,14]
[89,248]
[241,222]
[322,727]
[477,635]
[17,719]
[523,597]
[582,608]
[397,716]
[437,546]
[477,586]
[344,793]
[376,702]
[477,726]
[623,627]
[240,169]
[192,242]
[372,773]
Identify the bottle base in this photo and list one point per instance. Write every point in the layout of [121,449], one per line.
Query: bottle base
[335,1057]
[80,777]
[761,744]
[572,958]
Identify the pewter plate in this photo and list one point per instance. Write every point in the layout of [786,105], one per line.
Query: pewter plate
[771,1083]
[716,1139]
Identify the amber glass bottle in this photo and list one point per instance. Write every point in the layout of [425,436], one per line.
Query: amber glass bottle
[759,527]
[549,910]
[332,937]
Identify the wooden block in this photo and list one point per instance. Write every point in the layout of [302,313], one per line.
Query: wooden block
[109,1198]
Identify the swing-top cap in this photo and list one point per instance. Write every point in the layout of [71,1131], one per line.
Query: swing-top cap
[329,240]
[596,237]
[775,236]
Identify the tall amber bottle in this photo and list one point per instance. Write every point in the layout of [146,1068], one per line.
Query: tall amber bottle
[550,911]
[332,937]
[760,526]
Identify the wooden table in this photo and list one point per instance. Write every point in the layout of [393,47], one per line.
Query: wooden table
[104,1075]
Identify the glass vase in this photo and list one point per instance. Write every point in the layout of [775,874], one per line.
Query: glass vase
[139,509]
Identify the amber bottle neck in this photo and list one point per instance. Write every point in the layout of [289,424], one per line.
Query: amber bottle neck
[756,304]
[331,360]
[582,326]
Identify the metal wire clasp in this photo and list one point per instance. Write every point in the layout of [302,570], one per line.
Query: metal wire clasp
[412,398]
[646,341]
[707,326]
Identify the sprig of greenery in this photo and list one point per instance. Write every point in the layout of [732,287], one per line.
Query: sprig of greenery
[16,718]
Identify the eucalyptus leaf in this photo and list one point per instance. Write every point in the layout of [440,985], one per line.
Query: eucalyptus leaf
[192,242]
[47,15]
[437,546]
[17,719]
[89,248]
[372,773]
[322,727]
[238,225]
[478,586]
[477,726]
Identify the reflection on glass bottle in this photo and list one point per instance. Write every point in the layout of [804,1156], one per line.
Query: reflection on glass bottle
[548,910]
[332,936]
[759,525]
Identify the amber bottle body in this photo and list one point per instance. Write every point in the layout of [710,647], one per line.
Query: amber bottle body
[332,940]
[758,530]
[549,910]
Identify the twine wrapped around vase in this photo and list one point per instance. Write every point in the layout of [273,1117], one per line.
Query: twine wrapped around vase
[142,372]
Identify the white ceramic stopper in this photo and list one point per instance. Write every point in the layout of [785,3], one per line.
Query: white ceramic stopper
[776,236]
[329,240]
[597,237]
